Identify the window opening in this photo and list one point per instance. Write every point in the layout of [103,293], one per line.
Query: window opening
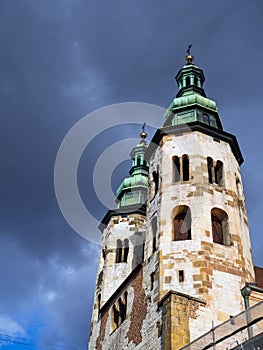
[119,311]
[182,224]
[210,169]
[152,280]
[217,230]
[185,168]
[220,227]
[215,172]
[115,316]
[118,251]
[176,170]
[154,232]
[219,173]
[181,275]
[125,250]
[156,181]
[99,303]
[239,188]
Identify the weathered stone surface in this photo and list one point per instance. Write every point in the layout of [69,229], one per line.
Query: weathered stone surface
[180,287]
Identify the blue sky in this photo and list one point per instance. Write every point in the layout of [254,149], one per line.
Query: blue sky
[60,60]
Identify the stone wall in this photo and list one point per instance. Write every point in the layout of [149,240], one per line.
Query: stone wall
[212,272]
[182,287]
[131,227]
[142,327]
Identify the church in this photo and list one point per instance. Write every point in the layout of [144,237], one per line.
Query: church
[175,268]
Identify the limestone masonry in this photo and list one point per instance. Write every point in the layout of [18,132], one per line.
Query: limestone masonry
[176,252]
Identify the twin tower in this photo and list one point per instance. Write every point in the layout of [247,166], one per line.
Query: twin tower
[176,253]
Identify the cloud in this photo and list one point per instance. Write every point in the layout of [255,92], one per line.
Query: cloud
[61,60]
[11,327]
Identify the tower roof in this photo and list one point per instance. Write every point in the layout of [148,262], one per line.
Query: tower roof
[132,190]
[191,103]
[131,194]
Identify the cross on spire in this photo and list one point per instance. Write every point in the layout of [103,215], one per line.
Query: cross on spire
[188,50]
[189,58]
[143,134]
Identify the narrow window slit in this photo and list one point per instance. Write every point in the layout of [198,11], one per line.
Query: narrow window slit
[181,275]
[176,169]
[185,168]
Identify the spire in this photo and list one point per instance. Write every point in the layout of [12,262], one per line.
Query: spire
[191,104]
[133,189]
[143,134]
[189,58]
[190,78]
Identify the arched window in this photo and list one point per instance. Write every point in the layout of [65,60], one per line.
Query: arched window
[125,250]
[156,181]
[119,311]
[182,223]
[118,251]
[220,227]
[181,169]
[122,250]
[115,317]
[176,169]
[154,233]
[122,311]
[138,160]
[187,81]
[219,173]
[217,230]
[210,169]
[123,307]
[215,172]
[185,168]
[195,81]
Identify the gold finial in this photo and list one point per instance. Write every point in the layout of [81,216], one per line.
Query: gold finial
[189,58]
[143,134]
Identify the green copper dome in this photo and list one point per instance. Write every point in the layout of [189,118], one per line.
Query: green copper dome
[192,99]
[133,189]
[132,182]
[191,104]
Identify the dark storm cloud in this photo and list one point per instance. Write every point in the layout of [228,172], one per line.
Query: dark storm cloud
[48,269]
[51,289]
[63,59]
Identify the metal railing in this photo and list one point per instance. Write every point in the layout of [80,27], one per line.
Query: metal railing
[238,332]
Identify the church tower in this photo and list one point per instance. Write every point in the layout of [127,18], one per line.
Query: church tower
[176,252]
